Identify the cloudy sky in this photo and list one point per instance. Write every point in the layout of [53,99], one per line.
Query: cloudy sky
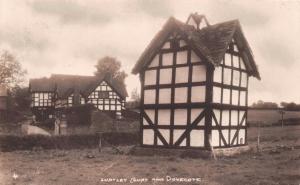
[68,36]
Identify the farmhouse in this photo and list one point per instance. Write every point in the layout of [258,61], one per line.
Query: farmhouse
[67,91]
[194,85]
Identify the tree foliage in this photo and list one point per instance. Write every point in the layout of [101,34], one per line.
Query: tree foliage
[22,98]
[262,104]
[290,106]
[111,67]
[11,72]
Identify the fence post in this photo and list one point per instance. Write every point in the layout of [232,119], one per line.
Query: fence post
[212,148]
[100,142]
[258,137]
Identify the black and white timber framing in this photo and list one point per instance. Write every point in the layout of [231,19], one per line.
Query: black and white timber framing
[65,91]
[193,95]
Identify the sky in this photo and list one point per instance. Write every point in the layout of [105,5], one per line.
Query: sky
[69,36]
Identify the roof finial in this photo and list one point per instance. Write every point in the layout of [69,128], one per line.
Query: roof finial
[197,20]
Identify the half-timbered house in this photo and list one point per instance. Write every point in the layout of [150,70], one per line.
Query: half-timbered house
[66,91]
[194,85]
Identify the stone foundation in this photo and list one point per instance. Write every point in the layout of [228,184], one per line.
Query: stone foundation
[231,151]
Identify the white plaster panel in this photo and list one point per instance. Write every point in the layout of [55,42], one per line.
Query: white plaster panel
[182,75]
[155,61]
[164,117]
[242,135]
[225,117]
[242,64]
[217,113]
[234,117]
[244,79]
[181,57]
[243,98]
[215,138]
[242,113]
[197,138]
[194,57]
[199,73]
[180,116]
[183,143]
[182,43]
[165,76]
[167,45]
[235,61]
[202,24]
[232,132]
[236,78]
[226,96]
[148,137]
[167,59]
[227,76]
[235,97]
[226,136]
[145,122]
[165,96]
[149,96]
[150,77]
[180,95]
[195,113]
[235,48]
[228,59]
[150,113]
[217,91]
[198,94]
[176,134]
[166,135]
[218,74]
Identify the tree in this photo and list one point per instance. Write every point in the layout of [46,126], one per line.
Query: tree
[111,67]
[290,106]
[262,104]
[11,72]
[135,96]
[22,98]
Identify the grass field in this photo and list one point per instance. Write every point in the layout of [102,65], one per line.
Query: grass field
[268,117]
[277,163]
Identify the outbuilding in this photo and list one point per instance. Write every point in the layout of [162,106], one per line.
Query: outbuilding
[194,85]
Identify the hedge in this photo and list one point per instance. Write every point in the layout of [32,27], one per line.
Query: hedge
[29,142]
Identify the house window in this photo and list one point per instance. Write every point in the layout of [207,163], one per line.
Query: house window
[70,101]
[103,94]
[82,101]
[42,99]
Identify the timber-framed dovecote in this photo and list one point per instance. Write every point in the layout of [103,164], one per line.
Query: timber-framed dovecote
[194,85]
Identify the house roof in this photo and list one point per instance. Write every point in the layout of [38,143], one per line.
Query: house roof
[209,42]
[64,85]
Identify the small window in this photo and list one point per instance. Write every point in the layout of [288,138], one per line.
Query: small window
[103,94]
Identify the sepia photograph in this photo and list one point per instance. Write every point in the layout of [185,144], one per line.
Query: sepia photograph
[150,92]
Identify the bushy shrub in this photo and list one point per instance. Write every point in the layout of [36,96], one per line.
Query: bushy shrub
[29,142]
